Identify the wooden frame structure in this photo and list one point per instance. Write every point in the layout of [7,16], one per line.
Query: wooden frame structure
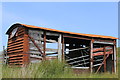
[27,43]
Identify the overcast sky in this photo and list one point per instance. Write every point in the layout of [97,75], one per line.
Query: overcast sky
[82,17]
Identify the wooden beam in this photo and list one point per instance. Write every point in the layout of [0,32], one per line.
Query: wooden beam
[91,55]
[114,56]
[76,49]
[26,48]
[44,46]
[104,57]
[59,48]
[78,37]
[102,53]
[102,42]
[63,48]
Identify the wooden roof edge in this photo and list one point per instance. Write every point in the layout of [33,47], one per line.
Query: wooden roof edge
[49,29]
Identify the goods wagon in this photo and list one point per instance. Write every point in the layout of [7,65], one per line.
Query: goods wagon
[88,52]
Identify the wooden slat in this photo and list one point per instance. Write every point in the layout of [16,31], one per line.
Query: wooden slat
[35,56]
[97,65]
[16,46]
[102,53]
[16,63]
[77,57]
[76,49]
[21,30]
[16,43]
[78,61]
[21,36]
[15,51]
[22,33]
[81,64]
[16,58]
[18,39]
[13,55]
[97,49]
[49,58]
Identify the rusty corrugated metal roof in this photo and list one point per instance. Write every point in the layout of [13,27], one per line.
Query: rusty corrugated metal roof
[88,35]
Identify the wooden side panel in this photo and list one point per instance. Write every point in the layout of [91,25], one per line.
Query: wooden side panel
[15,47]
[26,47]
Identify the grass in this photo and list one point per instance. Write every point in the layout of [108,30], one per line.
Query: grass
[50,69]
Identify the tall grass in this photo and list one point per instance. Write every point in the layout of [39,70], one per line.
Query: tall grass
[48,69]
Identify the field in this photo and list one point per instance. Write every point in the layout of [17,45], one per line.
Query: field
[50,69]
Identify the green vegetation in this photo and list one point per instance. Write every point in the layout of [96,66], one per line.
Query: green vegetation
[50,69]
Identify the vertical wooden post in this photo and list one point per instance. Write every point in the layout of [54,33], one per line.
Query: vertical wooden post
[91,55]
[44,46]
[26,47]
[62,47]
[59,47]
[104,58]
[114,56]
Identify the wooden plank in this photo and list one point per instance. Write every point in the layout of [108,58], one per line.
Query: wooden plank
[63,48]
[50,58]
[16,43]
[81,64]
[44,46]
[16,58]
[102,53]
[78,37]
[35,56]
[52,34]
[16,61]
[21,30]
[114,57]
[97,65]
[91,55]
[18,39]
[52,41]
[104,57]
[15,51]
[78,61]
[77,57]
[76,49]
[102,42]
[60,48]
[14,55]
[51,50]
[16,46]
[22,33]
[97,49]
